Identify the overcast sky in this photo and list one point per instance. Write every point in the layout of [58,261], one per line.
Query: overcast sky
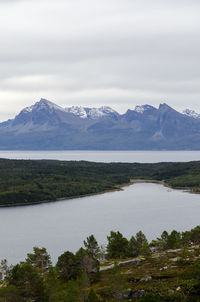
[118,53]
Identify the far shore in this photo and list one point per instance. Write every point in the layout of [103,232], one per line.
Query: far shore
[118,188]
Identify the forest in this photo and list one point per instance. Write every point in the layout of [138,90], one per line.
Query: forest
[33,181]
[166,269]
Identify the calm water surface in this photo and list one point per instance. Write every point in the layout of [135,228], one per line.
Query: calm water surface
[106,156]
[63,225]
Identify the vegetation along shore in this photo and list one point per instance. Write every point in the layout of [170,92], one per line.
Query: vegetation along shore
[24,182]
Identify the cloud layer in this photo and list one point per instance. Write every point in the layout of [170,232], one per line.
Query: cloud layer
[118,53]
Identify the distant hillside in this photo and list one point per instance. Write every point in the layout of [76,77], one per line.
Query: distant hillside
[24,182]
[47,126]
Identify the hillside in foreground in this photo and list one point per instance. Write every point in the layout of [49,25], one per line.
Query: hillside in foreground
[166,270]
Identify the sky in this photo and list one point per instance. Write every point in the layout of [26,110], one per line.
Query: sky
[118,53]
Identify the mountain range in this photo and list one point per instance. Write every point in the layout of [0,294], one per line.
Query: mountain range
[47,126]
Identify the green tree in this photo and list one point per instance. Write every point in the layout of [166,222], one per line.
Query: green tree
[68,267]
[10,294]
[116,282]
[92,297]
[145,249]
[174,240]
[52,284]
[170,241]
[133,247]
[117,246]
[40,259]
[87,264]
[92,247]
[141,240]
[5,269]
[74,291]
[150,297]
[27,280]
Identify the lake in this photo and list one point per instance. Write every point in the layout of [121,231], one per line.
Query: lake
[63,225]
[106,156]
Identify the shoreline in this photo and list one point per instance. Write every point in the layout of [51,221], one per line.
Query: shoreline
[118,188]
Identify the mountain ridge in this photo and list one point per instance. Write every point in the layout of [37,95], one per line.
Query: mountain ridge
[47,126]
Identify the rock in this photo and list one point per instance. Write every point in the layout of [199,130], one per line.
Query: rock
[137,293]
[130,262]
[134,261]
[106,268]
[153,249]
[129,294]
[126,294]
[146,279]
[161,255]
[164,268]
[175,259]
[128,272]
[174,251]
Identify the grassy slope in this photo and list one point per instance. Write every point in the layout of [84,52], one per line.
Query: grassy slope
[172,274]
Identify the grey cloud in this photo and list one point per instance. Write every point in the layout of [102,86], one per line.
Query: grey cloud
[119,53]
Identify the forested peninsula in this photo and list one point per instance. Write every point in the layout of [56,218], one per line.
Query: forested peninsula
[24,182]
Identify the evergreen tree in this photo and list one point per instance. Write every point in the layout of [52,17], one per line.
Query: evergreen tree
[116,282]
[141,239]
[145,249]
[10,293]
[68,266]
[5,269]
[87,264]
[40,259]
[91,246]
[117,246]
[27,280]
[133,247]
[92,297]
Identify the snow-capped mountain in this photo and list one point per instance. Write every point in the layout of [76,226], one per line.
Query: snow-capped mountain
[43,104]
[143,108]
[47,126]
[191,113]
[92,113]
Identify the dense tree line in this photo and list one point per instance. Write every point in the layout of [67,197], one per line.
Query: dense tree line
[32,181]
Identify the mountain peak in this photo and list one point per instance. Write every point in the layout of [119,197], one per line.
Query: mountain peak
[142,108]
[165,106]
[46,125]
[41,105]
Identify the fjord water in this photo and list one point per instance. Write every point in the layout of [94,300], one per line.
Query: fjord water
[106,156]
[63,225]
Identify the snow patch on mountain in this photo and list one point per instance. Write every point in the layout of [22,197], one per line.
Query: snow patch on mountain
[92,113]
[42,105]
[77,110]
[141,109]
[191,113]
